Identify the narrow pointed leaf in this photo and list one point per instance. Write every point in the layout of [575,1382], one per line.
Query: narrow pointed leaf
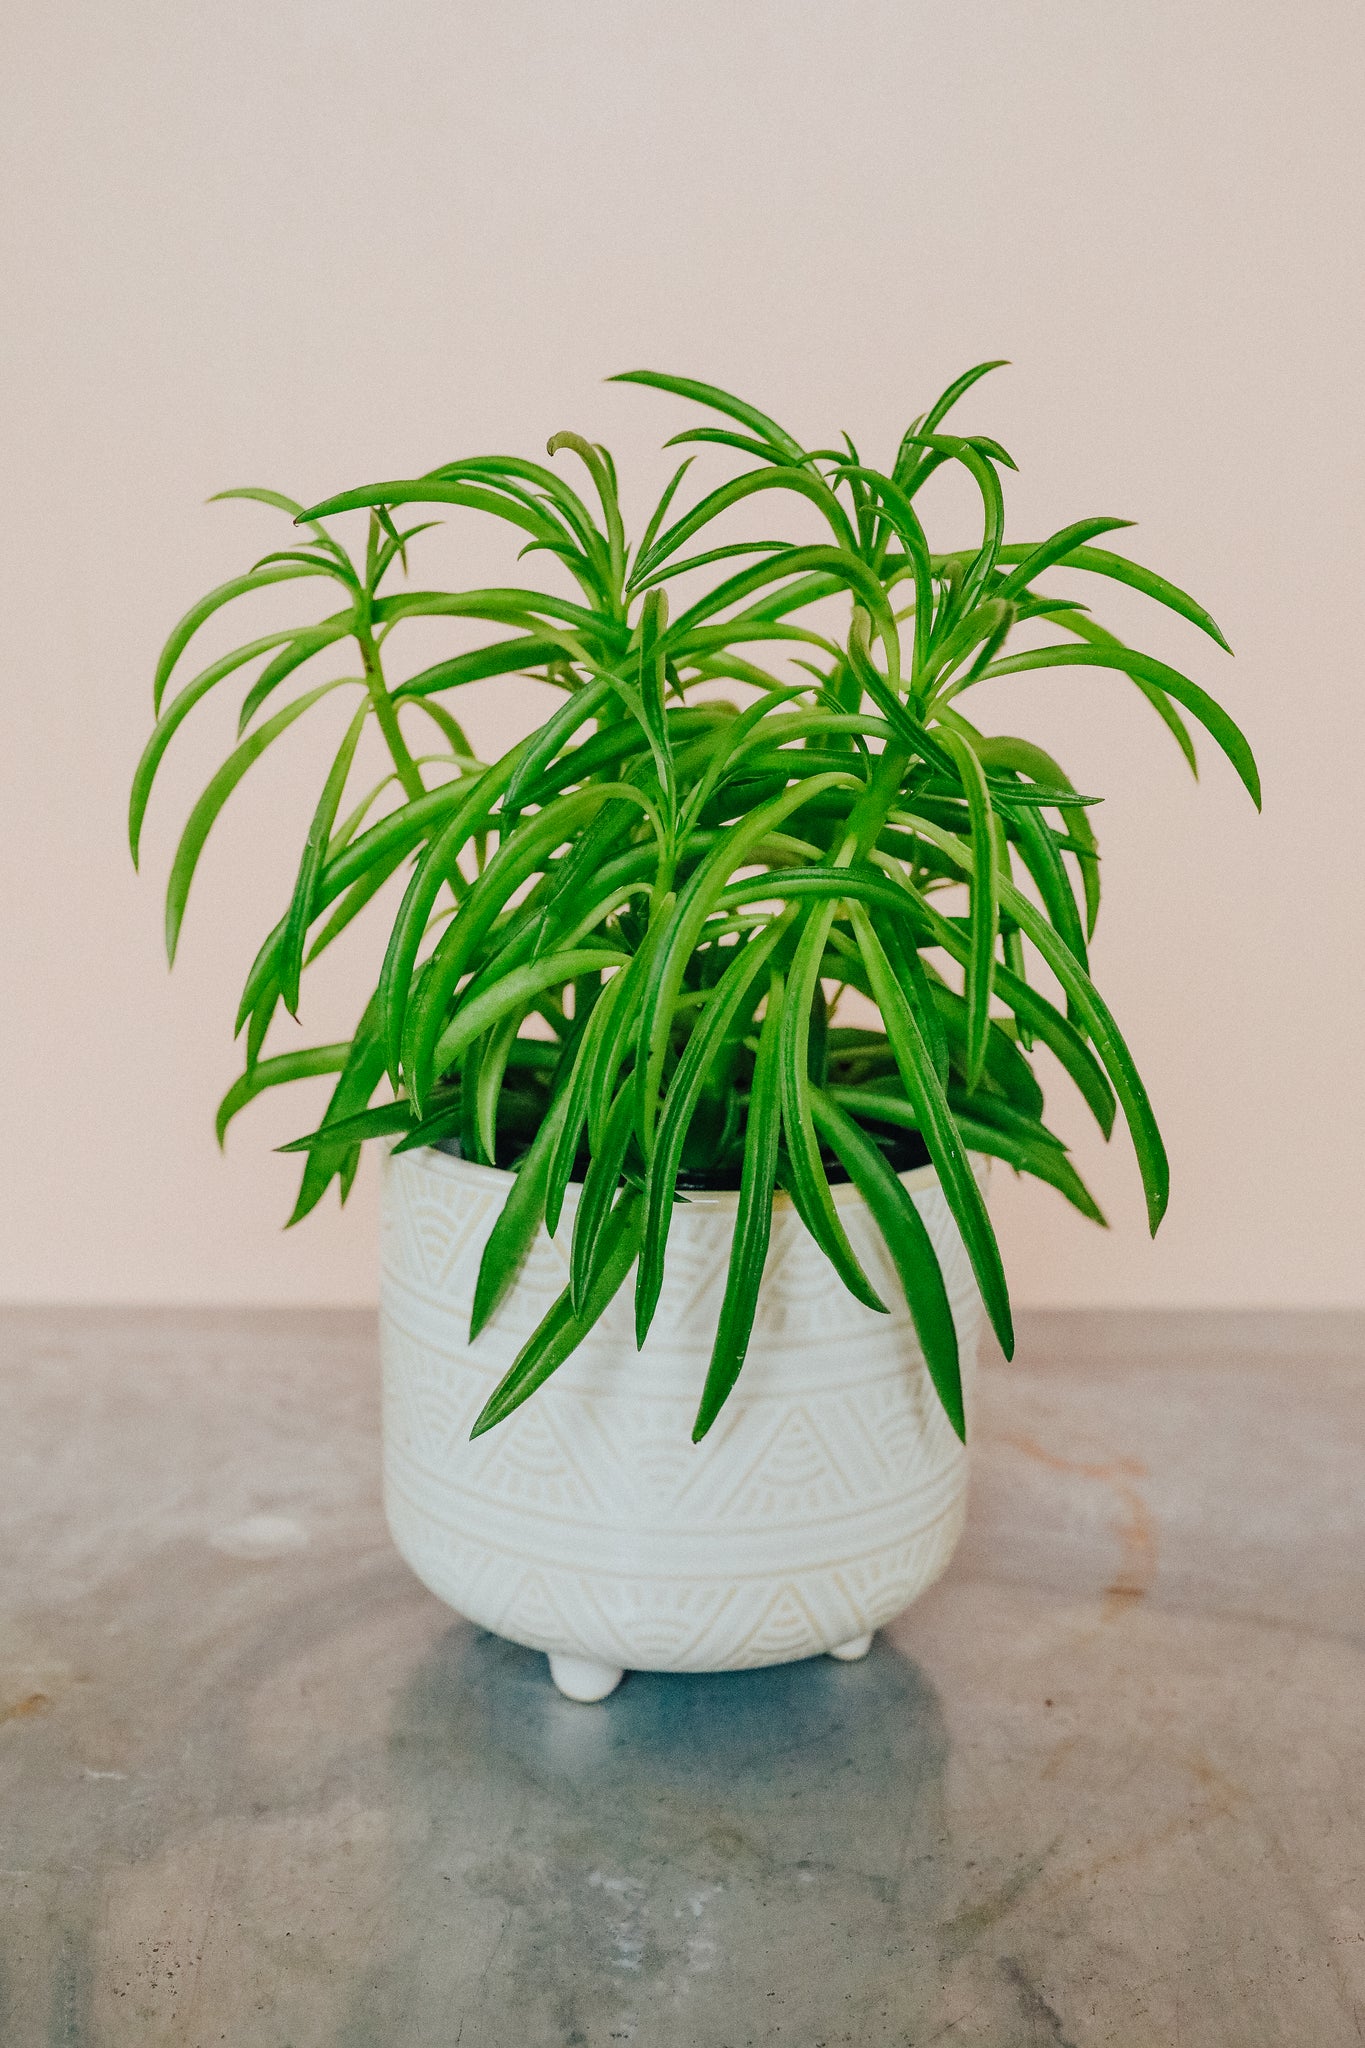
[299,915]
[912,1251]
[1102,562]
[599,1190]
[519,1218]
[985,902]
[925,1093]
[173,716]
[753,1220]
[809,1187]
[313,640]
[719,401]
[563,1328]
[202,817]
[708,1036]
[273,1073]
[1144,668]
[194,618]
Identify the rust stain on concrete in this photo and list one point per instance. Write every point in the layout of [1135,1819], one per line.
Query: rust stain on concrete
[1134,1525]
[24,1709]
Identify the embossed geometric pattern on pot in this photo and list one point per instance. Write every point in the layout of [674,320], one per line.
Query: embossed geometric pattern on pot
[830,1492]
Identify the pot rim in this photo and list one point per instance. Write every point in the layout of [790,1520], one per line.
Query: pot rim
[915,1180]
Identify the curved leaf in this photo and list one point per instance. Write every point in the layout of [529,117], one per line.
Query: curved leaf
[753,1220]
[519,1218]
[195,617]
[1146,669]
[173,716]
[273,1073]
[769,432]
[722,1008]
[808,1184]
[202,817]
[563,1328]
[911,1247]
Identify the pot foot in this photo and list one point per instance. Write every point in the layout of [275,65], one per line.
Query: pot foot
[585,1678]
[852,1650]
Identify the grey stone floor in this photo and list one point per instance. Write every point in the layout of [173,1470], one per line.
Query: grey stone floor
[1105,1784]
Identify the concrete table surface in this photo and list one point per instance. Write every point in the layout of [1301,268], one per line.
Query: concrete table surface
[1104,1784]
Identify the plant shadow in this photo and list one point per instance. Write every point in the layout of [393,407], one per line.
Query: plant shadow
[691,1855]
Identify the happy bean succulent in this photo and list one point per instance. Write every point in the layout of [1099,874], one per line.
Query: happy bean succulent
[621,950]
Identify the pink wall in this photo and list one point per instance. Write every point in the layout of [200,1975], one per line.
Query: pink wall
[308,245]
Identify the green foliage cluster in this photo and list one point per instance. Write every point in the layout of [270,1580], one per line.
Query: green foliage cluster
[620,947]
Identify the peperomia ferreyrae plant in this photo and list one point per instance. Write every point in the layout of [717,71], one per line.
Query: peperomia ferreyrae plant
[621,948]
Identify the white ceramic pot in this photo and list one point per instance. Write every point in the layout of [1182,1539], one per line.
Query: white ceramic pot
[829,1493]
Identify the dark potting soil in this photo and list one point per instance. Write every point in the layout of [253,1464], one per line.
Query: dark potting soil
[904,1150]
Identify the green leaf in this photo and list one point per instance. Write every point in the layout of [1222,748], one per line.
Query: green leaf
[809,1187]
[550,740]
[302,647]
[806,483]
[985,924]
[576,1095]
[492,1065]
[528,609]
[1004,751]
[1061,545]
[519,1218]
[1101,562]
[1041,1155]
[563,1328]
[658,515]
[202,817]
[431,491]
[272,1073]
[460,746]
[194,618]
[385,1120]
[1144,668]
[504,657]
[1038,846]
[907,1238]
[708,1036]
[471,806]
[1034,1012]
[600,1183]
[603,473]
[1094,1014]
[925,1093]
[722,437]
[262,496]
[904,521]
[753,1220]
[959,387]
[299,915]
[853,574]
[517,990]
[173,716]
[519,857]
[970,453]
[1085,628]
[356,897]
[650,686]
[355,1085]
[695,903]
[774,437]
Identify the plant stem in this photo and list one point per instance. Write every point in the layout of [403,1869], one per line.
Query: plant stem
[384,708]
[408,773]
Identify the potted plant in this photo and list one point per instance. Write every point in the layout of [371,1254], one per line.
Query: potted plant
[725,977]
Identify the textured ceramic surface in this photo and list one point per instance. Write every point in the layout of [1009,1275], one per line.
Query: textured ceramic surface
[830,1492]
